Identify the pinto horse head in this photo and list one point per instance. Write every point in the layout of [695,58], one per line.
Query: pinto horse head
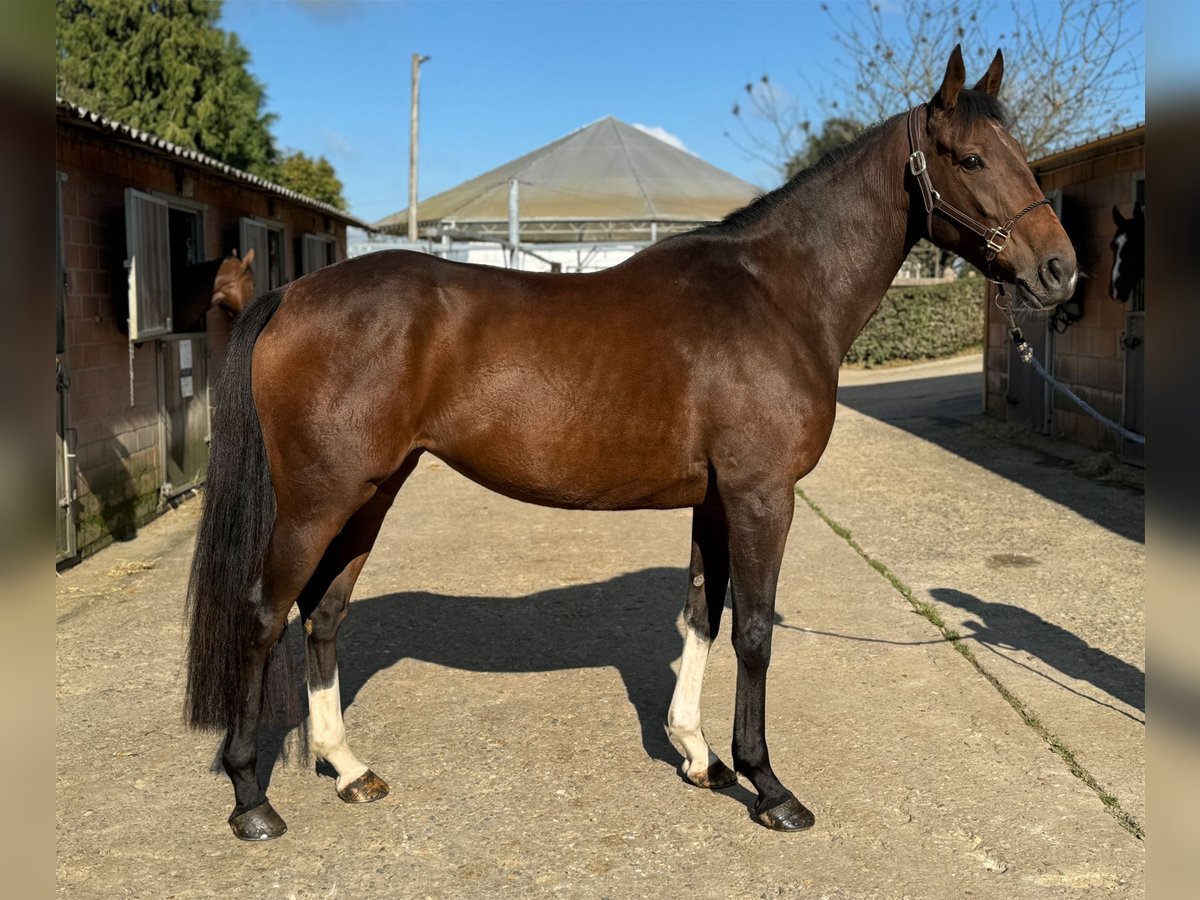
[992,211]
[1129,253]
[233,286]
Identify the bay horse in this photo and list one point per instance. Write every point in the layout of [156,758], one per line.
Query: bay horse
[1128,247]
[702,372]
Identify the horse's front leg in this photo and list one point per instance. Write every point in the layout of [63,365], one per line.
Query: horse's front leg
[758,527]
[708,578]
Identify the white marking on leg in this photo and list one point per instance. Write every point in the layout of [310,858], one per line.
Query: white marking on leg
[328,732]
[683,718]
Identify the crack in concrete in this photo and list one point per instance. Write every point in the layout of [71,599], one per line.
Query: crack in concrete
[929,612]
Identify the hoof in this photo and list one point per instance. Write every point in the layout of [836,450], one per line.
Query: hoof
[791,815]
[259,824]
[715,777]
[366,788]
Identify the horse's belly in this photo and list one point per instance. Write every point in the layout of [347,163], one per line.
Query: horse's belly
[573,475]
[616,428]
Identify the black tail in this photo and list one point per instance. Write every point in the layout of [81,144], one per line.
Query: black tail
[224,591]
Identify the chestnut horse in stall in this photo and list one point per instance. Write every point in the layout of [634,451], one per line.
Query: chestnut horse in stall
[227,283]
[701,372]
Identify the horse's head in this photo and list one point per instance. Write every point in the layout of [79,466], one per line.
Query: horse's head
[976,168]
[233,288]
[1129,253]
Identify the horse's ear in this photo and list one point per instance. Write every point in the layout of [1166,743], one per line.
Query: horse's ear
[956,74]
[248,258]
[1118,219]
[990,82]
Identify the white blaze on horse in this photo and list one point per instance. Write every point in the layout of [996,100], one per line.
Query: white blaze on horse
[1128,247]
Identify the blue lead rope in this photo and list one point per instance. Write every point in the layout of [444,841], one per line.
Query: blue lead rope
[1026,354]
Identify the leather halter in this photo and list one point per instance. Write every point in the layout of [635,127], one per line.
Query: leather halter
[994,239]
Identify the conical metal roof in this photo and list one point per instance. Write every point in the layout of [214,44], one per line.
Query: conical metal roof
[606,181]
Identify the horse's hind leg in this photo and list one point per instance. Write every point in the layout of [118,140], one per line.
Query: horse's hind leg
[708,577]
[293,552]
[323,607]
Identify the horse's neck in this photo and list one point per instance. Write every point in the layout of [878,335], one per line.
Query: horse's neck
[203,274]
[834,240]
[192,291]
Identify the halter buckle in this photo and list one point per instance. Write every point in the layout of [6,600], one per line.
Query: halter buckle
[996,239]
[916,162]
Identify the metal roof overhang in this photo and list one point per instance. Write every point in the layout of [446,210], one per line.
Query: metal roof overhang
[71,114]
[1097,147]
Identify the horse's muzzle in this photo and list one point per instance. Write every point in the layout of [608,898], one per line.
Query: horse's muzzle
[1055,281]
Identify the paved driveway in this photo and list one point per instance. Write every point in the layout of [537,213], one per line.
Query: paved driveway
[1039,570]
[506,668]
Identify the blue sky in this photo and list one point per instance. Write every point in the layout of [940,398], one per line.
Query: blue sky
[506,77]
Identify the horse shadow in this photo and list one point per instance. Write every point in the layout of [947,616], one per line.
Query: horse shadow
[626,623]
[1002,624]
[945,410]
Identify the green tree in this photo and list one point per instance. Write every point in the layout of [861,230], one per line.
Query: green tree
[836,132]
[313,177]
[165,67]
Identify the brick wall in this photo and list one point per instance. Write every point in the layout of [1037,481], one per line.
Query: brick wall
[116,443]
[119,463]
[1088,356]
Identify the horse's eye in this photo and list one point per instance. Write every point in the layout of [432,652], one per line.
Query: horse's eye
[972,163]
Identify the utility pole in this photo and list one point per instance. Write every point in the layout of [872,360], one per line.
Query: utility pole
[514,223]
[417,59]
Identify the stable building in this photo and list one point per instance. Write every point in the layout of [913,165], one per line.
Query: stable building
[1092,344]
[584,202]
[134,212]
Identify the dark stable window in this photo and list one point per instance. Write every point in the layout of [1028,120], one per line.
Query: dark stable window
[266,239]
[317,251]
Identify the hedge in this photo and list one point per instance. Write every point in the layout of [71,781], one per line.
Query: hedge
[923,322]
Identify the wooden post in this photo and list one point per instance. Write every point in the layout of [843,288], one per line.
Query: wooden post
[417,59]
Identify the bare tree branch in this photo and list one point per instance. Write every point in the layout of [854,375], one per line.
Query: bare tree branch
[772,109]
[1072,69]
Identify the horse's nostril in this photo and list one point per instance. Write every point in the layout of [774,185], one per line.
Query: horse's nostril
[1053,273]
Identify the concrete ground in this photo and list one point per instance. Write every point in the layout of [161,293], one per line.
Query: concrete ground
[507,669]
[1039,570]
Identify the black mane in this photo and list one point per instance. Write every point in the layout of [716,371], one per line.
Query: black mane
[972,107]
